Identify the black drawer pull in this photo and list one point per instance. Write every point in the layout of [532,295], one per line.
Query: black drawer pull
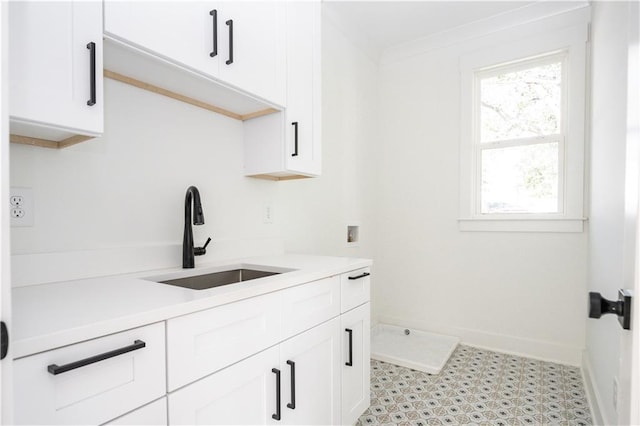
[230,24]
[276,416]
[357,277]
[350,333]
[214,14]
[92,73]
[295,138]
[292,404]
[58,369]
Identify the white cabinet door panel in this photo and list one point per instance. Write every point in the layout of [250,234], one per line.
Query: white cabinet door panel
[257,63]
[176,30]
[316,358]
[50,64]
[151,414]
[243,394]
[356,371]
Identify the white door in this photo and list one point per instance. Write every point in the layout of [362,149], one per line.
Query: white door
[629,386]
[50,62]
[312,395]
[355,364]
[251,37]
[186,32]
[6,397]
[243,394]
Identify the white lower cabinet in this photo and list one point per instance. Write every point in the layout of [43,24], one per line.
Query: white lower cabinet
[91,382]
[151,414]
[296,382]
[310,364]
[244,393]
[356,371]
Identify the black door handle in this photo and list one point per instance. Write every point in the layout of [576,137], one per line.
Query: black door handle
[4,340]
[599,306]
[350,333]
[276,416]
[58,369]
[230,24]
[295,138]
[292,404]
[214,14]
[357,277]
[92,73]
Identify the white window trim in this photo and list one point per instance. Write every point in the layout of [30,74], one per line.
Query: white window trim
[573,40]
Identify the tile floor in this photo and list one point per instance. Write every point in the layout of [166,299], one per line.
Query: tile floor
[481,387]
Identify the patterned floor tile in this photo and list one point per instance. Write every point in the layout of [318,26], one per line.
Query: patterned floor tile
[478,387]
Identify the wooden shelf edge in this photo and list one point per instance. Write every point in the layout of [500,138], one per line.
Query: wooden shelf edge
[279,178]
[46,143]
[186,99]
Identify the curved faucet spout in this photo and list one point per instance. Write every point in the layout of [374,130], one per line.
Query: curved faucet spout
[188,251]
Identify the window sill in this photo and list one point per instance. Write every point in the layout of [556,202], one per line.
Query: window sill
[521,225]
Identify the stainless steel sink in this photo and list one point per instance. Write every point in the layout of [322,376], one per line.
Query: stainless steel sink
[217,279]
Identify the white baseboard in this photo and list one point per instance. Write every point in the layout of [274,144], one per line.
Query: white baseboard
[38,268]
[593,395]
[537,349]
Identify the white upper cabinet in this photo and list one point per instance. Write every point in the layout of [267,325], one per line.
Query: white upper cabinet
[288,145]
[55,64]
[240,44]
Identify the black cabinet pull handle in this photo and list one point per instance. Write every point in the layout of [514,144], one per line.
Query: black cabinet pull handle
[276,416]
[92,77]
[350,333]
[295,138]
[4,340]
[58,369]
[292,404]
[230,24]
[357,277]
[214,14]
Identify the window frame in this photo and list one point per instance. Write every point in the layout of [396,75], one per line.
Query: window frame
[570,44]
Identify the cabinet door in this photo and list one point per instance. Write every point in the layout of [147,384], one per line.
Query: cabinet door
[252,46]
[50,66]
[182,31]
[312,396]
[152,414]
[356,372]
[243,394]
[303,87]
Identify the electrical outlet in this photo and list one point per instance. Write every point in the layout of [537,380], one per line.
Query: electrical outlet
[267,213]
[21,206]
[615,393]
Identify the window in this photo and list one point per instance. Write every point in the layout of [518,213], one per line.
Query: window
[522,147]
[519,139]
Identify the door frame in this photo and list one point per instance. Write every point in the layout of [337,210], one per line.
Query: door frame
[630,342]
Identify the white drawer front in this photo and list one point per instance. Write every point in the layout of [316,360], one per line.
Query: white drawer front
[93,393]
[204,342]
[152,414]
[308,305]
[356,288]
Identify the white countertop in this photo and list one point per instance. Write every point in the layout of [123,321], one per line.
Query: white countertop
[48,316]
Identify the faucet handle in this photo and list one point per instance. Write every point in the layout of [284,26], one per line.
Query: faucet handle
[199,251]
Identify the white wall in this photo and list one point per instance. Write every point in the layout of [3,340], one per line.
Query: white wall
[315,212]
[606,228]
[518,292]
[127,188]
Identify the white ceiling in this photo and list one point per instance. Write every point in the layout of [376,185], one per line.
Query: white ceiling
[388,23]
